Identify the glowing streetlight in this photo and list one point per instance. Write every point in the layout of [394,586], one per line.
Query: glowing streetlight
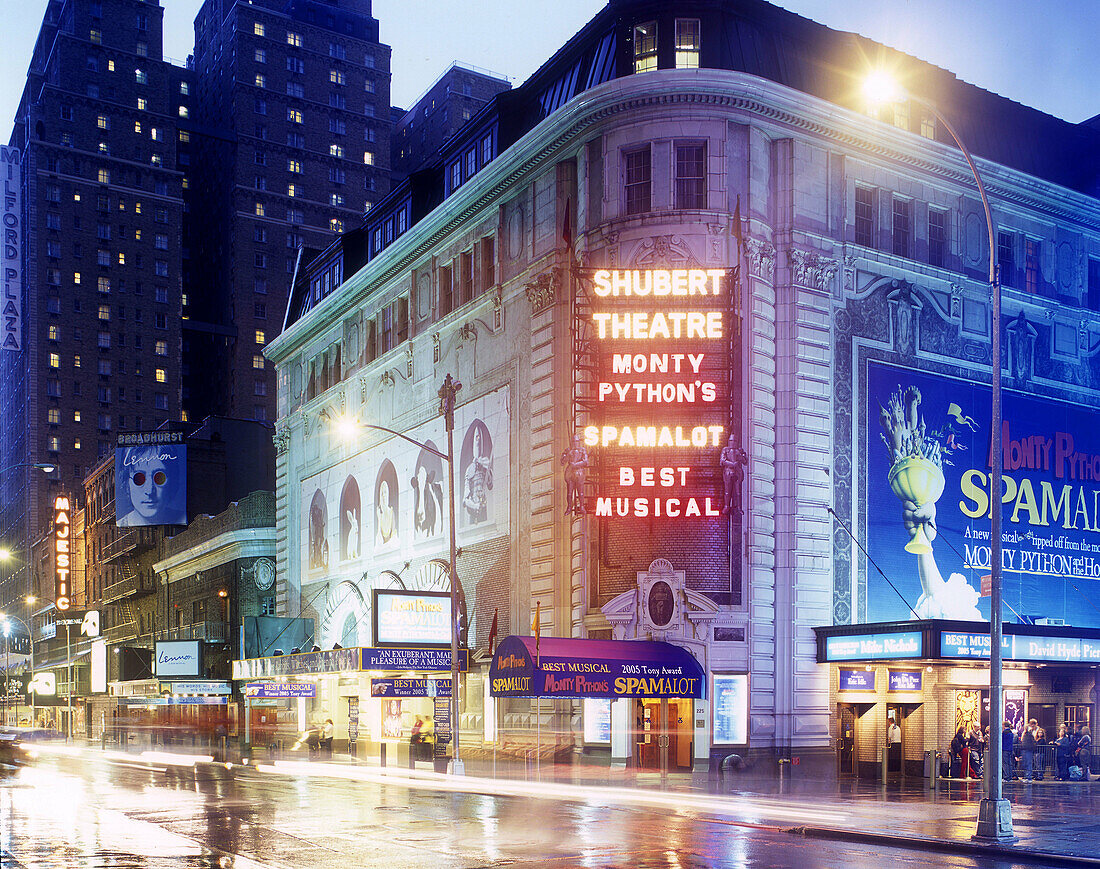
[994,812]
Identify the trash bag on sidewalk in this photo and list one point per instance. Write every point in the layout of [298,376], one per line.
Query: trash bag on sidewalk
[1076,774]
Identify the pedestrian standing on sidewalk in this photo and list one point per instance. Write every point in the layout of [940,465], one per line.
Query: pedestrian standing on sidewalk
[1027,748]
[1040,753]
[326,737]
[1008,772]
[959,755]
[976,744]
[1063,751]
[1084,753]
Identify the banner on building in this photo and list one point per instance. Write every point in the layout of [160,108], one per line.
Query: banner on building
[150,479]
[928,462]
[11,252]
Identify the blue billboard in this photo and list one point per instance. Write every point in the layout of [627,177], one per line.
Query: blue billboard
[150,479]
[928,511]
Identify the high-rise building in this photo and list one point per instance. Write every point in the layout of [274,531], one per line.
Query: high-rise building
[444,109]
[97,156]
[293,102]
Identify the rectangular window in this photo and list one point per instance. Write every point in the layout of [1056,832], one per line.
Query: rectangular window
[687,43]
[928,125]
[260,55]
[937,236]
[336,76]
[637,180]
[295,89]
[901,114]
[337,126]
[1093,300]
[466,293]
[1006,262]
[488,265]
[1031,265]
[446,291]
[865,216]
[691,181]
[258,29]
[903,227]
[294,116]
[645,46]
[295,65]
[294,39]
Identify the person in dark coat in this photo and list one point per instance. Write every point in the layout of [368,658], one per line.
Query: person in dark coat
[1084,753]
[1063,751]
[1008,772]
[1027,748]
[959,752]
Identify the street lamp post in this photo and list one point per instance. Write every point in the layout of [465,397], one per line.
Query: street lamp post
[994,812]
[4,619]
[448,393]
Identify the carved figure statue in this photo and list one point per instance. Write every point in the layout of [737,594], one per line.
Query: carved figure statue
[575,460]
[733,460]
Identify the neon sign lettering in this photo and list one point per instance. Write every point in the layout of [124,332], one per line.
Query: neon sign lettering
[655,467]
[62,540]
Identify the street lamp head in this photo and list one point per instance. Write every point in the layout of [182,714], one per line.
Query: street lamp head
[880,88]
[31,600]
[5,553]
[223,593]
[346,427]
[47,467]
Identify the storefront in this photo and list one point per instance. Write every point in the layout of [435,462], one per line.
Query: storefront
[929,678]
[373,696]
[639,697]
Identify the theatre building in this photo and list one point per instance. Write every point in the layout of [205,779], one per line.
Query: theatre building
[723,340]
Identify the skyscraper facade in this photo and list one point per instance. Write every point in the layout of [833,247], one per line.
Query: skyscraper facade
[98,154]
[293,104]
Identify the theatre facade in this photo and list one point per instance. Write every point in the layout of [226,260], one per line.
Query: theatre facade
[723,341]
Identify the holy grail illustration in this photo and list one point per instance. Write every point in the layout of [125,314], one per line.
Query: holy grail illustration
[916,472]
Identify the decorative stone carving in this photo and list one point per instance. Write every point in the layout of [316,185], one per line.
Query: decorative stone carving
[1021,349]
[956,300]
[437,348]
[761,257]
[850,260]
[905,308]
[467,332]
[663,251]
[387,378]
[543,290]
[811,269]
[408,359]
[281,439]
[1083,335]
[498,310]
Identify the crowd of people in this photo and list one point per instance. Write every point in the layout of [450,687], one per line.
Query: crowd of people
[1026,755]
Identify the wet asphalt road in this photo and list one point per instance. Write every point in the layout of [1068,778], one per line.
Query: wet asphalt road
[93,811]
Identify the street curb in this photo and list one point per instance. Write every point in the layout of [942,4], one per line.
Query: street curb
[1018,855]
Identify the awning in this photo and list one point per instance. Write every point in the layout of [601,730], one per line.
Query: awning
[54,663]
[565,667]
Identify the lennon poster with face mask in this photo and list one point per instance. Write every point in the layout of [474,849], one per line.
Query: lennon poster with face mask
[150,479]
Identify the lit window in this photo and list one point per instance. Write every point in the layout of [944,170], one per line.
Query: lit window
[76,359]
[141,104]
[76,444]
[53,333]
[294,39]
[76,277]
[257,29]
[294,166]
[336,199]
[161,348]
[105,312]
[687,43]
[928,125]
[53,415]
[184,136]
[258,361]
[292,190]
[110,66]
[260,339]
[184,112]
[185,88]
[336,150]
[261,81]
[103,122]
[259,209]
[137,126]
[54,443]
[294,116]
[645,46]
[162,377]
[368,158]
[55,360]
[103,283]
[336,76]
[76,416]
[336,225]
[260,56]
[95,36]
[140,77]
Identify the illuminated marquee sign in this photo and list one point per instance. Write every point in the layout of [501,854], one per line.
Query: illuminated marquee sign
[1016,647]
[62,550]
[662,390]
[11,250]
[858,647]
[403,618]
